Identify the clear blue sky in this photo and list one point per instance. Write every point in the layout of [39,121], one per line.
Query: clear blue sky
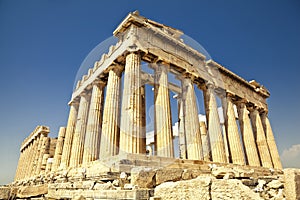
[42,44]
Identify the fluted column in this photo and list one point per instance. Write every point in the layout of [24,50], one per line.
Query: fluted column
[23,166]
[232,132]
[111,115]
[251,152]
[191,121]
[39,151]
[66,154]
[80,130]
[44,150]
[33,156]
[132,138]
[94,121]
[205,141]
[214,127]
[271,141]
[182,139]
[20,166]
[28,159]
[59,148]
[261,141]
[163,122]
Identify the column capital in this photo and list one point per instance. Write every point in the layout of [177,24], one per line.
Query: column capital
[86,93]
[242,102]
[254,108]
[157,66]
[74,102]
[99,82]
[210,85]
[117,68]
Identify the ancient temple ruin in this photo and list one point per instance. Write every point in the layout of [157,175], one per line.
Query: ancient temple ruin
[105,137]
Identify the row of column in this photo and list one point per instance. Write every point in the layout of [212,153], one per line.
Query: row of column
[117,132]
[257,138]
[257,146]
[31,157]
[98,130]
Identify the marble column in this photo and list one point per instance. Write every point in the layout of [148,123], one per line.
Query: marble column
[236,152]
[94,121]
[228,159]
[163,122]
[28,159]
[111,115]
[40,145]
[37,153]
[191,121]
[214,127]
[24,154]
[251,152]
[182,139]
[66,154]
[33,156]
[44,150]
[80,130]
[20,166]
[132,138]
[59,148]
[205,141]
[271,141]
[261,141]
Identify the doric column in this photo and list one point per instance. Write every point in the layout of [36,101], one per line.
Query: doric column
[132,138]
[44,150]
[23,164]
[191,121]
[234,141]
[44,162]
[271,141]
[28,159]
[20,166]
[111,115]
[59,148]
[182,140]
[39,151]
[163,122]
[247,135]
[94,121]
[65,158]
[214,127]
[225,142]
[34,151]
[80,130]
[261,141]
[205,141]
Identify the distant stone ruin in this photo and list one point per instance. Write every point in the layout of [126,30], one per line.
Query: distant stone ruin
[103,152]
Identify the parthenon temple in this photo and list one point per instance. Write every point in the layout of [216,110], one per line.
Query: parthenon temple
[204,115]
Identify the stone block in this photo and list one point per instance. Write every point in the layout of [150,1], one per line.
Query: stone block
[188,190]
[221,172]
[30,191]
[4,192]
[103,186]
[164,175]
[292,183]
[232,189]
[143,177]
[275,184]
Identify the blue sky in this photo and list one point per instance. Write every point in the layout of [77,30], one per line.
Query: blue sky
[43,43]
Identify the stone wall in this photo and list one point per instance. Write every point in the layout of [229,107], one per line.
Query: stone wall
[292,183]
